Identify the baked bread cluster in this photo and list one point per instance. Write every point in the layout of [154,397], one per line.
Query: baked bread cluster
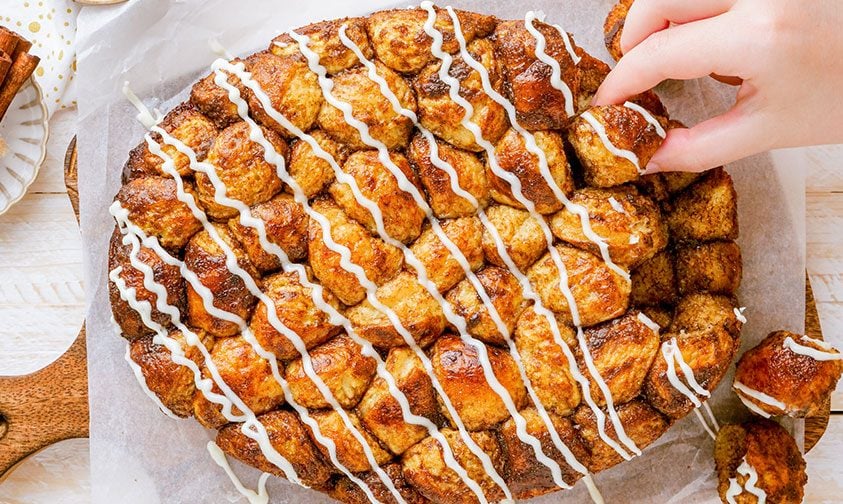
[369,202]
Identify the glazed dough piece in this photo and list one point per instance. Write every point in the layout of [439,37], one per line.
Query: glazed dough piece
[419,313]
[504,291]
[425,467]
[341,365]
[613,27]
[400,42]
[526,476]
[771,453]
[641,423]
[130,322]
[241,166]
[402,218]
[600,293]
[311,172]
[184,123]
[286,226]
[289,437]
[293,303]
[347,491]
[706,210]
[471,177]
[801,382]
[370,106]
[520,233]
[293,91]
[441,266]
[349,451]
[654,281]
[703,311]
[623,350]
[512,156]
[456,365]
[545,363]
[213,101]
[154,207]
[171,382]
[626,129]
[710,267]
[630,223]
[443,116]
[247,374]
[538,104]
[324,40]
[381,412]
[207,259]
[380,261]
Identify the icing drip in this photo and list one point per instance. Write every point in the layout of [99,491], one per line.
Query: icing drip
[604,137]
[673,356]
[711,416]
[745,393]
[669,351]
[750,487]
[811,352]
[515,184]
[556,72]
[647,117]
[144,116]
[616,206]
[634,239]
[739,314]
[569,46]
[593,491]
[647,321]
[820,343]
[259,497]
[138,372]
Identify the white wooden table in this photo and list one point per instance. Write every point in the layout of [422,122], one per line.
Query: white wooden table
[42,301]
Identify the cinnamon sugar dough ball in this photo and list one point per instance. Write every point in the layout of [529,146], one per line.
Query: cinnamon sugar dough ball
[401,43]
[441,266]
[503,290]
[457,366]
[613,27]
[513,156]
[789,368]
[417,310]
[184,123]
[289,438]
[293,91]
[630,223]
[324,39]
[471,177]
[709,267]
[764,448]
[207,259]
[341,364]
[702,311]
[213,101]
[311,171]
[131,324]
[379,260]
[521,236]
[439,113]
[154,207]
[381,412]
[425,467]
[402,217]
[296,309]
[654,281]
[706,210]
[625,129]
[538,103]
[345,490]
[599,292]
[370,106]
[349,451]
[545,361]
[285,225]
[240,165]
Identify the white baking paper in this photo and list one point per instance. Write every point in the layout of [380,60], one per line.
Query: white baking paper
[140,456]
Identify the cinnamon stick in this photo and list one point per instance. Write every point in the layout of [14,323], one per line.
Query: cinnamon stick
[21,69]
[5,64]
[22,47]
[9,41]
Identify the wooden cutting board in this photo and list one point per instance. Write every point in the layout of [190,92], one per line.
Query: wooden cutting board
[51,405]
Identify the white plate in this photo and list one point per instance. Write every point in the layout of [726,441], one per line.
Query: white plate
[23,133]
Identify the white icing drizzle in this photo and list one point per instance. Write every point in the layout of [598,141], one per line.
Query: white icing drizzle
[811,352]
[750,487]
[668,350]
[733,491]
[604,137]
[673,356]
[711,416]
[569,46]
[144,116]
[739,314]
[647,117]
[650,323]
[219,49]
[555,71]
[745,393]
[634,239]
[259,497]
[708,430]
[820,343]
[138,372]
[593,491]
[616,206]
[515,184]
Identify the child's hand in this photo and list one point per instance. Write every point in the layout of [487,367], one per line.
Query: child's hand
[789,54]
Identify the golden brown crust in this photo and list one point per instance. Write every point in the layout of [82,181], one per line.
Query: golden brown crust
[347,491]
[706,210]
[504,292]
[213,100]
[613,28]
[310,171]
[703,311]
[349,451]
[520,233]
[710,267]
[441,266]
[801,382]
[324,40]
[654,281]
[770,451]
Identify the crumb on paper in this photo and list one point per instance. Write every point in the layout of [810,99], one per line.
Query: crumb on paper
[3,148]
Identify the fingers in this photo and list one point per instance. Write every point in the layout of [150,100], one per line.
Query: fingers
[646,17]
[686,51]
[715,142]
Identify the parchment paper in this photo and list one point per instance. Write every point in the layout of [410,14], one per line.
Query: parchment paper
[140,456]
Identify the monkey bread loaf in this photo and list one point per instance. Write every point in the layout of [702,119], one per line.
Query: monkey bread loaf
[399,258]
